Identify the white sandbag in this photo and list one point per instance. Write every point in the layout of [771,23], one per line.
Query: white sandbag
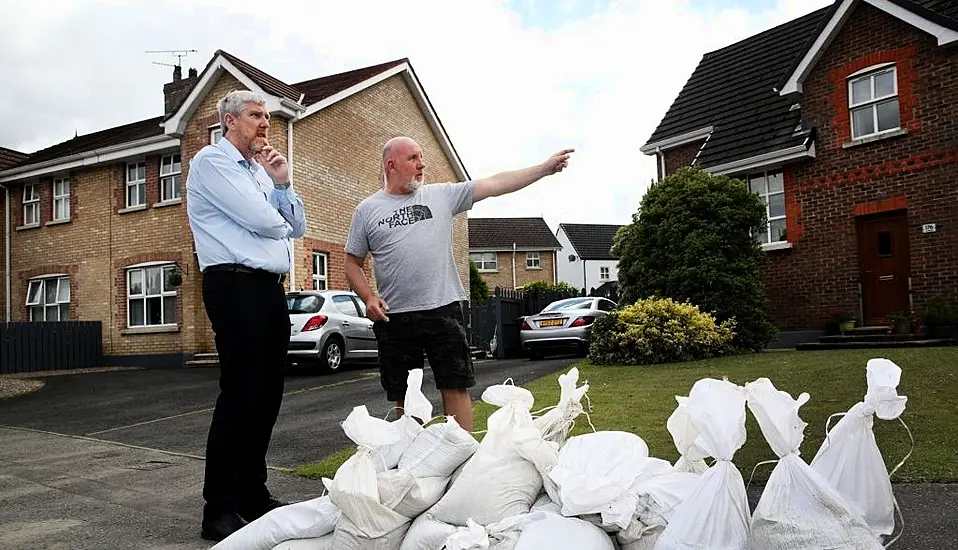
[798,509]
[544,455]
[646,542]
[407,495]
[502,535]
[716,514]
[301,520]
[427,533]
[438,450]
[497,482]
[638,535]
[557,422]
[545,504]
[351,536]
[354,488]
[321,543]
[659,491]
[415,406]
[849,458]
[555,531]
[684,434]
[594,473]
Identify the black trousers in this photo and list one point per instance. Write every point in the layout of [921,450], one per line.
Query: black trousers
[251,323]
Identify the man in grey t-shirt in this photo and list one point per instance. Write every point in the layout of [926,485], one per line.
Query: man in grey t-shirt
[407,227]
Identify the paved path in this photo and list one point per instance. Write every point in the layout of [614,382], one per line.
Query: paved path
[114,460]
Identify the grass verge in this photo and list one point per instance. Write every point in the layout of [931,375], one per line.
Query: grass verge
[640,400]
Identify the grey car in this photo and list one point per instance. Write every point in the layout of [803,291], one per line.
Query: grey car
[329,327]
[563,326]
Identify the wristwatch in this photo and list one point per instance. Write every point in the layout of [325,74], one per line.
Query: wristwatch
[284,185]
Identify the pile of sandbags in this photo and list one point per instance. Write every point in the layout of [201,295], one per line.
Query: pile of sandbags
[528,485]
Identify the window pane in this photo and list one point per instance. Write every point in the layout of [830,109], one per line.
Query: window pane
[136,282]
[863,123]
[64,312]
[885,84]
[36,313]
[761,234]
[169,310]
[861,91]
[884,243]
[33,292]
[31,214]
[756,184]
[53,313]
[131,172]
[63,290]
[50,291]
[888,115]
[778,230]
[319,284]
[140,172]
[177,165]
[153,281]
[775,183]
[167,271]
[154,311]
[131,196]
[137,318]
[776,205]
[61,209]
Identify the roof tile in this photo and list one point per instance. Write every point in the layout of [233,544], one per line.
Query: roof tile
[591,241]
[501,233]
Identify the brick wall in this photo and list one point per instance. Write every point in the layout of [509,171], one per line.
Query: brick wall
[681,156]
[337,157]
[917,172]
[503,276]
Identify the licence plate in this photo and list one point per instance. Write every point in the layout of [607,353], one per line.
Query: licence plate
[551,322]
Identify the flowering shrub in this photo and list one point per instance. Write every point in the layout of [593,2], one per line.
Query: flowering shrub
[658,330]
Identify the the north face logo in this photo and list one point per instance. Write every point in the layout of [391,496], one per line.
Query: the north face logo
[407,215]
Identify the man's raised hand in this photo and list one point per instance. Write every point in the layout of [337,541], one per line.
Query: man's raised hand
[557,162]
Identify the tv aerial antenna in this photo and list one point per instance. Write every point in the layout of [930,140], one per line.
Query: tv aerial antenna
[179,54]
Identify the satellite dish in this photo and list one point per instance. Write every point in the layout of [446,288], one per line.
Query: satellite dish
[571,257]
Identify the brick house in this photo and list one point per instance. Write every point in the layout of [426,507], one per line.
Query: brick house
[587,261]
[513,252]
[846,122]
[99,222]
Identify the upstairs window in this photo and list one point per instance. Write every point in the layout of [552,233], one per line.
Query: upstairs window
[873,102]
[485,261]
[31,204]
[604,273]
[533,261]
[61,199]
[135,184]
[770,186]
[170,169]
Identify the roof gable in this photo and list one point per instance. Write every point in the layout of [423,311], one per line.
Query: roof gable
[591,241]
[318,89]
[503,233]
[938,18]
[9,157]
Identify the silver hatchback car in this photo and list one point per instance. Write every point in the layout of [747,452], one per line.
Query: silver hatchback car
[329,327]
[564,325]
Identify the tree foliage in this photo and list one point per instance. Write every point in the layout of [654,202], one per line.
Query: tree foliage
[478,289]
[692,241]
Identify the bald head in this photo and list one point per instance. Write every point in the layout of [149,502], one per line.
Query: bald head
[402,165]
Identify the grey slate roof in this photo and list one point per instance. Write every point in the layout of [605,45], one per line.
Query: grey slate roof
[591,241]
[9,157]
[500,233]
[734,89]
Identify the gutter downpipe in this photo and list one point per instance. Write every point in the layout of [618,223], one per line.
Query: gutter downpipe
[6,250]
[292,242]
[514,266]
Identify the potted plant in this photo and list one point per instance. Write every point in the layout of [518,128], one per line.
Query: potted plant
[902,322]
[940,318]
[839,322]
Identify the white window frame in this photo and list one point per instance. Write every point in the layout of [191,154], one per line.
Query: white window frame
[216,134]
[138,183]
[605,273]
[170,171]
[765,198]
[872,104]
[31,205]
[483,261]
[61,198]
[533,260]
[62,283]
[320,280]
[142,295]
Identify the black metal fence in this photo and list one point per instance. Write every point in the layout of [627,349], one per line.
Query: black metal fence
[33,347]
[494,325]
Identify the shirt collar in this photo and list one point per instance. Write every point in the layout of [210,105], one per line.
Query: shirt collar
[232,152]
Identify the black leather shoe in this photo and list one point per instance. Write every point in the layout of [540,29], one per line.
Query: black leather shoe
[221,526]
[251,513]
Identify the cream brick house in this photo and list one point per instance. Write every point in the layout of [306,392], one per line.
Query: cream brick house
[513,252]
[98,223]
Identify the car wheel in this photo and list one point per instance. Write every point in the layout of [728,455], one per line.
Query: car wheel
[332,357]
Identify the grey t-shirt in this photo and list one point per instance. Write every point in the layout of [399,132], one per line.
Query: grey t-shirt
[410,239]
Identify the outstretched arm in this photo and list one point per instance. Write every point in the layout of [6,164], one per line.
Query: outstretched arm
[508,182]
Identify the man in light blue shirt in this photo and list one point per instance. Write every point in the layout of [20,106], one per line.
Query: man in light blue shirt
[243,211]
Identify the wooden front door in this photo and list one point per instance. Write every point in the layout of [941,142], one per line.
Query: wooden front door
[885,265]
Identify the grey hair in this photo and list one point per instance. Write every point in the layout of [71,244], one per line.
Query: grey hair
[233,104]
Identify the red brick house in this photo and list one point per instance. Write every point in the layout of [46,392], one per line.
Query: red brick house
[98,224]
[846,122]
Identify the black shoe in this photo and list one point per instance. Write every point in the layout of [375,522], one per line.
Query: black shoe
[251,512]
[221,526]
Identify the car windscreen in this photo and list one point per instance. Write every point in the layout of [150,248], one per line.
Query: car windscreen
[569,304]
[304,303]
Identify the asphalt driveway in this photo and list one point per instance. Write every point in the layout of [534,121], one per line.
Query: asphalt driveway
[170,409]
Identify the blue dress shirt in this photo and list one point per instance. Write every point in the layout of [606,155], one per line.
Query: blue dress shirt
[236,213]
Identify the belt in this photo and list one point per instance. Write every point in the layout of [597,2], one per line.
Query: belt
[239,268]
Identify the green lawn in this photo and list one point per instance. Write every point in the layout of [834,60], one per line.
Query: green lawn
[640,400]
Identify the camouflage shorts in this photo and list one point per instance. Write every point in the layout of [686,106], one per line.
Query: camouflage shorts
[440,333]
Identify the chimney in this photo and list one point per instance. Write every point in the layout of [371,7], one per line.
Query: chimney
[175,92]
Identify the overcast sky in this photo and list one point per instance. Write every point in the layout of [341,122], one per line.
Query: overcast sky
[513,81]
